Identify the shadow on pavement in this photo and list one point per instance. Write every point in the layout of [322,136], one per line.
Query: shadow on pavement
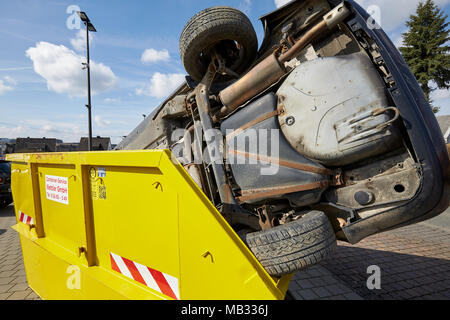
[2,231]
[403,276]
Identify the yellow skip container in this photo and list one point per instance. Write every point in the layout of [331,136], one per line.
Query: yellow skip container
[128,225]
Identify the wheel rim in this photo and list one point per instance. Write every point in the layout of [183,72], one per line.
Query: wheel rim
[231,51]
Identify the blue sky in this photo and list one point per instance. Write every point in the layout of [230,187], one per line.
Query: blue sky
[135,60]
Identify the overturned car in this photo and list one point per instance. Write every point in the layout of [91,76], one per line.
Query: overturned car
[321,134]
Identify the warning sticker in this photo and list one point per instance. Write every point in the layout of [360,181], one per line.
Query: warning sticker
[98,188]
[57,189]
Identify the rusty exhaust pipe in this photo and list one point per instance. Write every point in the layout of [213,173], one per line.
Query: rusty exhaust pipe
[271,69]
[262,76]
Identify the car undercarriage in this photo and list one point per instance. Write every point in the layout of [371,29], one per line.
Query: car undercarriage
[321,134]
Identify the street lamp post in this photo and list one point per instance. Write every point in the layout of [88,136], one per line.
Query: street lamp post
[89,27]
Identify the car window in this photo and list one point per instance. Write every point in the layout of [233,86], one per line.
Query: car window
[5,167]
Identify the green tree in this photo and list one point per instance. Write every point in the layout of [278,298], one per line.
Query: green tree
[425,48]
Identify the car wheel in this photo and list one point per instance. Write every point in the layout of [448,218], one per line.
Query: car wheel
[224,29]
[294,246]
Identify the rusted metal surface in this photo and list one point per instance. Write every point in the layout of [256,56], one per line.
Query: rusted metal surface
[265,221]
[279,191]
[378,112]
[202,99]
[281,162]
[398,181]
[338,178]
[254,122]
[279,165]
[304,41]
[342,222]
[304,14]
[336,16]
[262,76]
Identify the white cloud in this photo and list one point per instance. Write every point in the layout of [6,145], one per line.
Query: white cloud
[10,80]
[280,3]
[245,6]
[38,128]
[79,43]
[62,68]
[101,122]
[152,56]
[440,94]
[16,69]
[12,133]
[7,84]
[110,100]
[73,130]
[161,85]
[47,127]
[4,88]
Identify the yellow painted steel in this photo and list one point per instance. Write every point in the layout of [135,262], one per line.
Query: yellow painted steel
[141,205]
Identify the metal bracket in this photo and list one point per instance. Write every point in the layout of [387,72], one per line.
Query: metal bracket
[221,67]
[202,99]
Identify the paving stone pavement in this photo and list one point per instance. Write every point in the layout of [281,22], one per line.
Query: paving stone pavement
[13,280]
[317,283]
[414,263]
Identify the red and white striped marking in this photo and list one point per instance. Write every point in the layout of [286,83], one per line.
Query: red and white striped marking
[149,277]
[25,219]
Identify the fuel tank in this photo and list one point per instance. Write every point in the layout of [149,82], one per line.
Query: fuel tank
[337,111]
[264,165]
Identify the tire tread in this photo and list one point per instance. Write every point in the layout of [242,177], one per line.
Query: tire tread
[294,246]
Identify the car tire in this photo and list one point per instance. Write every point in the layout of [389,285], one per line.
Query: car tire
[220,28]
[294,246]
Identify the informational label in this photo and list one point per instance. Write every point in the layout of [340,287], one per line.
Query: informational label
[57,189]
[101,172]
[98,188]
[102,192]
